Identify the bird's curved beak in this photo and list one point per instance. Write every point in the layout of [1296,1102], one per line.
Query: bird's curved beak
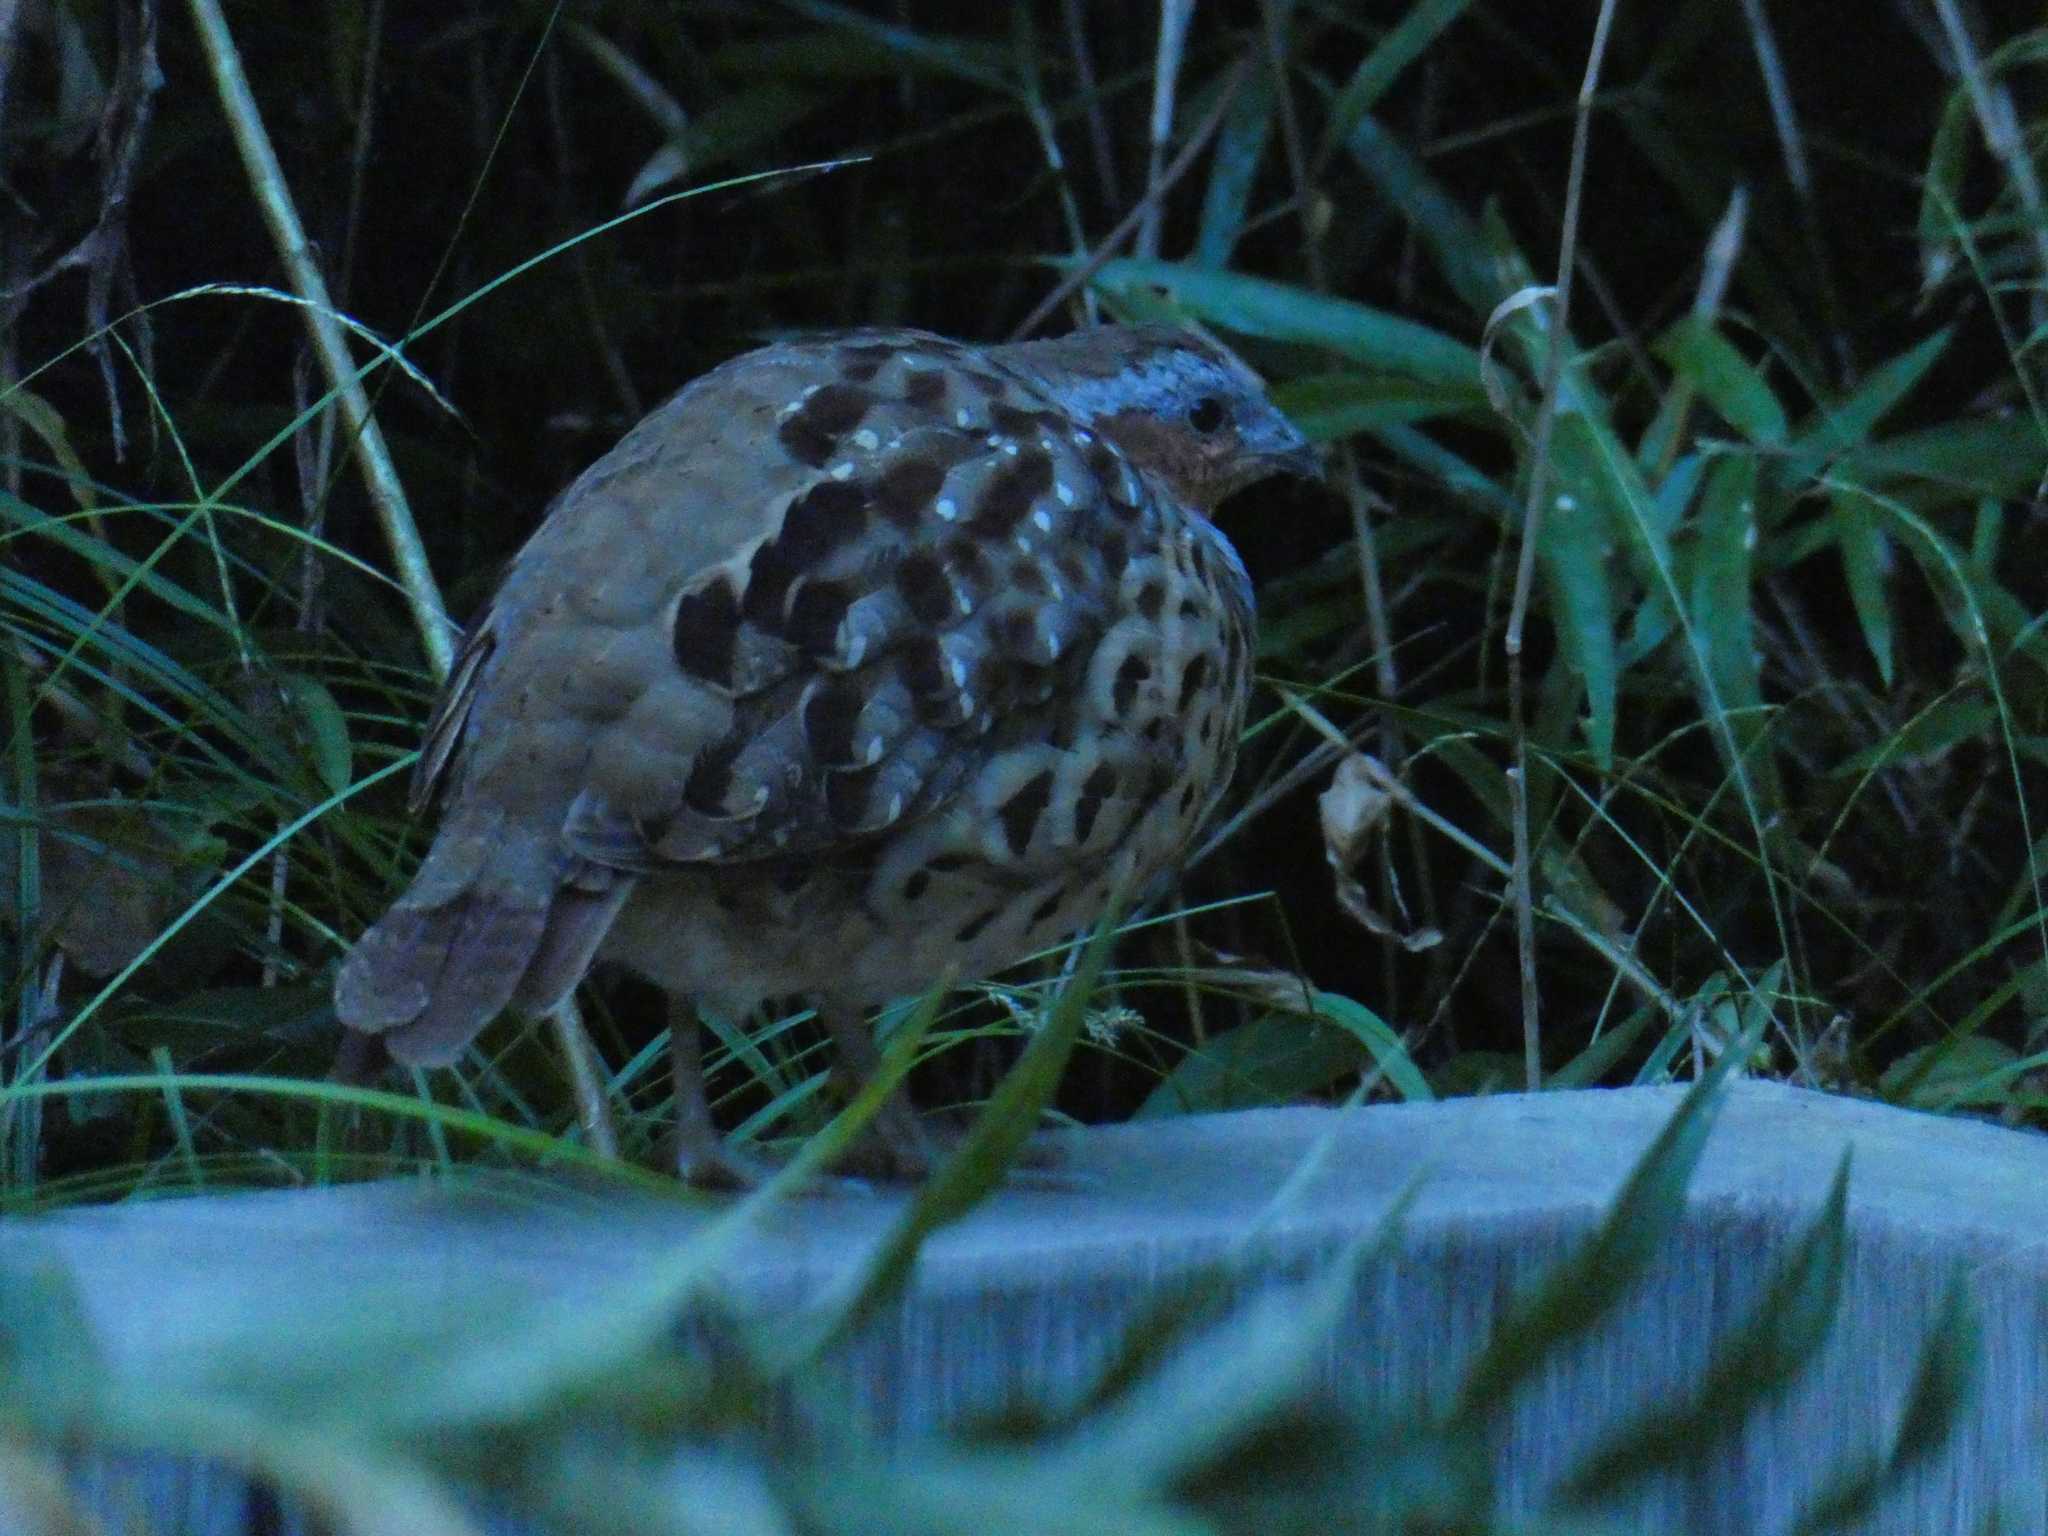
[1286,452]
[1304,461]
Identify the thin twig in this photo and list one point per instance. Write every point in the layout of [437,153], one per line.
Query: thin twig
[1525,570]
[1196,143]
[1098,123]
[1048,141]
[1296,149]
[273,197]
[586,1086]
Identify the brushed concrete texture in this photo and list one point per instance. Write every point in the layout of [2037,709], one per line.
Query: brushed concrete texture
[1026,1295]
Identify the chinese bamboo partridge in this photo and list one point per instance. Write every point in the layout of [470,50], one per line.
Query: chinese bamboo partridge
[865,659]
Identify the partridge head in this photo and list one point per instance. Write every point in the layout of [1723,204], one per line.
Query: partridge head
[866,659]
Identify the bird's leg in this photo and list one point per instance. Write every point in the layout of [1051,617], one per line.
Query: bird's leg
[702,1157]
[898,1146]
[593,1108]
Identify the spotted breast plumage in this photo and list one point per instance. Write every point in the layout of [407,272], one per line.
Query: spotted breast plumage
[864,660]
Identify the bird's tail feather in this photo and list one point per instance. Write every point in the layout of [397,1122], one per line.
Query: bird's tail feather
[487,922]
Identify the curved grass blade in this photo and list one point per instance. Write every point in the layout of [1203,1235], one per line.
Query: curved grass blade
[1751,1368]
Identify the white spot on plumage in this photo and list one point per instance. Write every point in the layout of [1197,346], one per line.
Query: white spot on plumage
[964,417]
[843,471]
[946,508]
[871,752]
[1010,449]
[958,671]
[1064,491]
[1043,519]
[865,439]
[1023,544]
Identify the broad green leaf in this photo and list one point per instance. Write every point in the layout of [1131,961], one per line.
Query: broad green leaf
[1233,169]
[47,422]
[1674,494]
[1593,1063]
[1720,610]
[1255,306]
[1657,614]
[1327,406]
[1726,379]
[1402,45]
[1866,563]
[1987,534]
[1981,610]
[1379,1038]
[1968,1071]
[1449,233]
[1948,160]
[326,729]
[1846,424]
[1275,1059]
[1576,548]
[1470,1074]
[861,38]
[1990,456]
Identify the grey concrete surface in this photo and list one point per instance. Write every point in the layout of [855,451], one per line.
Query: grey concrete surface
[1028,1293]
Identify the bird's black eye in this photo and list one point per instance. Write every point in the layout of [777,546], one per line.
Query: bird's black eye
[1206,415]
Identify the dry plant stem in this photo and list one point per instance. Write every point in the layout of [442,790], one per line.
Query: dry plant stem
[1525,570]
[1049,146]
[266,178]
[593,1109]
[1174,16]
[1098,124]
[1115,238]
[1291,140]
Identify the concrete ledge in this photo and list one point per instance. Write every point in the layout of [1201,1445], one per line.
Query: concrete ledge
[1027,1294]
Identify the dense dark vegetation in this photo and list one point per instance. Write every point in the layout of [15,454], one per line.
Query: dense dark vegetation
[1783,671]
[1780,708]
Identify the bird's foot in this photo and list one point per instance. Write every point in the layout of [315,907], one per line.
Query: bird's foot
[895,1148]
[707,1162]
